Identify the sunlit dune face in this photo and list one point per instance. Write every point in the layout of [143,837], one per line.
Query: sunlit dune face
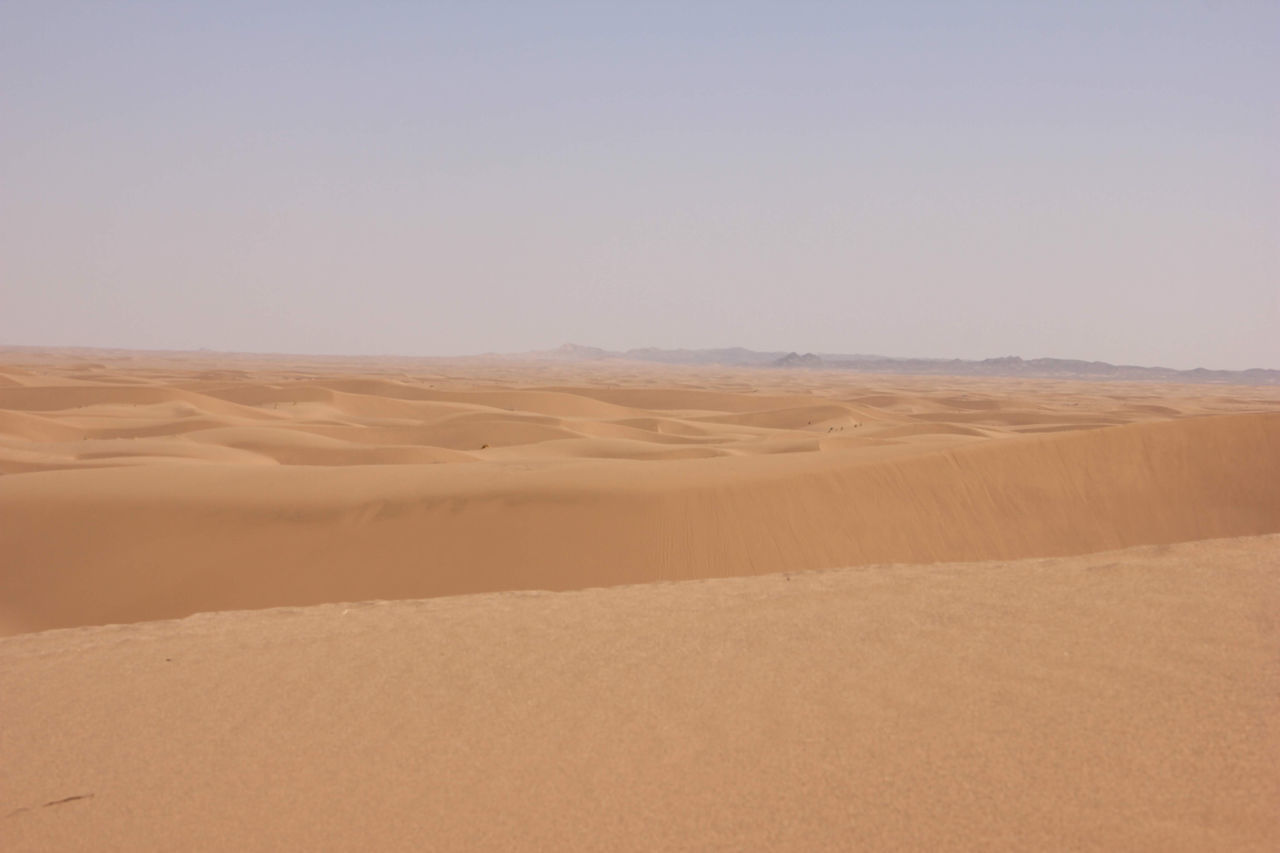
[293,481]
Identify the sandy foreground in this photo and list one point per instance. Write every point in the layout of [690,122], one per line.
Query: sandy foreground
[1123,701]
[1047,616]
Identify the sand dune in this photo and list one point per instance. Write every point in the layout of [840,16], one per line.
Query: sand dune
[1118,701]
[178,492]
[188,489]
[261,536]
[1049,692]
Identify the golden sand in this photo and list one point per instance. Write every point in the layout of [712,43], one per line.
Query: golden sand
[1017,681]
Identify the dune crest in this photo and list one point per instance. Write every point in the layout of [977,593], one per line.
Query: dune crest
[190,490]
[1119,701]
[485,605]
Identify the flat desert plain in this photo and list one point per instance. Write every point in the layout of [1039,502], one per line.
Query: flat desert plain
[274,603]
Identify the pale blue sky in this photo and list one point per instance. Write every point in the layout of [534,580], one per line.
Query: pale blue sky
[915,179]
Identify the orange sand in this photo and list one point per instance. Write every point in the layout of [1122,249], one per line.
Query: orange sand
[1125,700]
[1122,701]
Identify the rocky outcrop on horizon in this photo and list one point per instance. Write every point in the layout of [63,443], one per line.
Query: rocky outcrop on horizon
[794,359]
[1012,365]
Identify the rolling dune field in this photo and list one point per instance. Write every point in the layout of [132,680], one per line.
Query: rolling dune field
[1020,642]
[136,490]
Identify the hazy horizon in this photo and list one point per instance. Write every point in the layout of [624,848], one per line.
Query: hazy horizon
[927,180]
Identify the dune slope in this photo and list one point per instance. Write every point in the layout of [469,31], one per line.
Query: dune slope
[137,542]
[1117,701]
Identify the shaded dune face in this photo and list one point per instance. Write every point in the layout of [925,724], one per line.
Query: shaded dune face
[163,490]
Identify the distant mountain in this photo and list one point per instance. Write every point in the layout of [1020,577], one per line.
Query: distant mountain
[733,355]
[793,359]
[1060,368]
[575,352]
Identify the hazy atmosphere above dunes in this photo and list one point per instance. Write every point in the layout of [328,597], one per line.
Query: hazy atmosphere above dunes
[639,426]
[1087,180]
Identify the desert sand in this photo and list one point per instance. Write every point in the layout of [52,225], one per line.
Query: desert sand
[494,604]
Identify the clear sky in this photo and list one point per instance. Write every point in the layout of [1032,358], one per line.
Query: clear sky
[955,179]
